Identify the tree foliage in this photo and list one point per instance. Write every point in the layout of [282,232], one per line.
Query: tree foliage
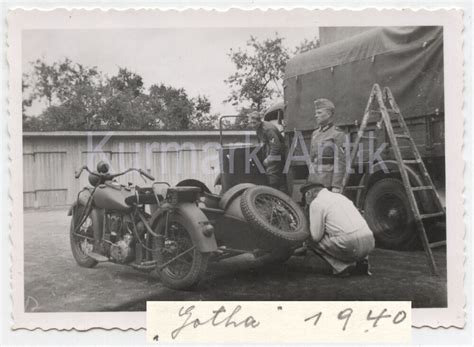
[259,72]
[306,45]
[77,97]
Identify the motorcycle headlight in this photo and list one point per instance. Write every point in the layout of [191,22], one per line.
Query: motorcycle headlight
[102,167]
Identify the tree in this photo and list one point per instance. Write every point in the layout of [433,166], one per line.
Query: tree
[202,118]
[71,92]
[81,98]
[259,72]
[170,106]
[306,45]
[27,100]
[126,82]
[124,105]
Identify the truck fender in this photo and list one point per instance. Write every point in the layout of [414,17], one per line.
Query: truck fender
[202,232]
[392,166]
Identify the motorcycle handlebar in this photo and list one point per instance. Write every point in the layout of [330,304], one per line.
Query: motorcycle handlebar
[109,176]
[151,178]
[79,172]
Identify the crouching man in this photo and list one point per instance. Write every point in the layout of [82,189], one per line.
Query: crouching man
[339,234]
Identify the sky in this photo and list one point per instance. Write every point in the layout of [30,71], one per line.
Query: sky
[195,59]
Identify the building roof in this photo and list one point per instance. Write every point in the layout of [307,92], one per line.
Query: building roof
[161,133]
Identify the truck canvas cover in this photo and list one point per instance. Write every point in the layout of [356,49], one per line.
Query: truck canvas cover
[408,60]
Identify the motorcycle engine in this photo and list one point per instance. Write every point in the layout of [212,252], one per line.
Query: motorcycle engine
[121,251]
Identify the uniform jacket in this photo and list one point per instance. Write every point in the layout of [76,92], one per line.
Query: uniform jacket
[269,135]
[274,145]
[328,156]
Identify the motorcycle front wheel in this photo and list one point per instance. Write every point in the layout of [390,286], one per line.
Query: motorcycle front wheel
[81,245]
[179,264]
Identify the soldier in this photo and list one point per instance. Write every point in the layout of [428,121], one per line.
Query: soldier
[339,233]
[328,157]
[274,147]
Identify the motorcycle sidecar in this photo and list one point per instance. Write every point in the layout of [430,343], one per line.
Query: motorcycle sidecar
[255,219]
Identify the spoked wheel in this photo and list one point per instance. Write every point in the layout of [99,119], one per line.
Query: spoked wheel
[274,215]
[81,237]
[277,213]
[180,264]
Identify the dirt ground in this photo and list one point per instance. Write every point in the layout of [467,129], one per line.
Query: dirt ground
[53,281]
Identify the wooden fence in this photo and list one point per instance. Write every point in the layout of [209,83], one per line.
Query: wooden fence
[51,158]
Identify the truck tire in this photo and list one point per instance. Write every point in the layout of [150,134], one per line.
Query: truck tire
[274,215]
[388,214]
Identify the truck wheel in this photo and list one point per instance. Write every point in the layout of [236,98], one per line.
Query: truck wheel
[80,246]
[179,264]
[273,214]
[388,214]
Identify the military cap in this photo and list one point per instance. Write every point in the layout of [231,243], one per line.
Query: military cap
[309,185]
[324,103]
[255,115]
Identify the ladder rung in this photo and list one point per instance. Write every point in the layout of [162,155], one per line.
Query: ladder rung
[432,215]
[390,110]
[367,137]
[411,161]
[422,188]
[390,114]
[354,187]
[437,244]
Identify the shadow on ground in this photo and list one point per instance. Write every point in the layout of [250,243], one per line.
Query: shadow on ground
[54,283]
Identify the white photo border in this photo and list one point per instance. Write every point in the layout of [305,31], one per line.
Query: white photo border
[451,20]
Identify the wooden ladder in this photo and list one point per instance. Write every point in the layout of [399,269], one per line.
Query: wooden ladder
[379,100]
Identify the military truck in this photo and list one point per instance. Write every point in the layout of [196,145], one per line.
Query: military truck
[408,60]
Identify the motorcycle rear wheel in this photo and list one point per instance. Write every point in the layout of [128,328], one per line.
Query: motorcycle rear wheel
[81,246]
[179,264]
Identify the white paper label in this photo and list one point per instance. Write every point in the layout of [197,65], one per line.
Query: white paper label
[279,321]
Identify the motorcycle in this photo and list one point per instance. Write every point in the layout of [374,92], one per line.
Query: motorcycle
[158,229]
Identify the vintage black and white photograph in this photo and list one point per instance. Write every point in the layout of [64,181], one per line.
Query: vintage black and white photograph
[277,162]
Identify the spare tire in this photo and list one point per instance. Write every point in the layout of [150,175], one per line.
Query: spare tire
[274,215]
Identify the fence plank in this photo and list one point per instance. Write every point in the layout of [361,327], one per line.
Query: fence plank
[50,159]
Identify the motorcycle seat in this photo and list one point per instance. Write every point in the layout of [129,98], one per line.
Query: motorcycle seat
[142,199]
